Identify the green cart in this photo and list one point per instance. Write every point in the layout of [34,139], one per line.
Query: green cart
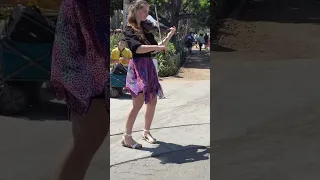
[24,67]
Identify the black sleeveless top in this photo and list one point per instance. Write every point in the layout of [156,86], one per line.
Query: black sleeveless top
[134,43]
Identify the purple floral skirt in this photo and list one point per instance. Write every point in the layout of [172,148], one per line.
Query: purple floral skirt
[142,78]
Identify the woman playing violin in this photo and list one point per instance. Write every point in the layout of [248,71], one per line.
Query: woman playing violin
[142,80]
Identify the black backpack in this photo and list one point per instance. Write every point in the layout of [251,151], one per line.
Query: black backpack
[119,69]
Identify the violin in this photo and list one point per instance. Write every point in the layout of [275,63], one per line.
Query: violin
[149,26]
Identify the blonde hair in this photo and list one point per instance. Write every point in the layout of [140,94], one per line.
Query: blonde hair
[132,21]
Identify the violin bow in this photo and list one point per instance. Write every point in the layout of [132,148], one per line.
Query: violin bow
[158,24]
[155,8]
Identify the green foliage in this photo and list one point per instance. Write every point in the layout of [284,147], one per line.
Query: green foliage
[114,39]
[5,12]
[169,62]
[185,9]
[115,5]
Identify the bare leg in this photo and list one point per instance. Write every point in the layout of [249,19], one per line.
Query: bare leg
[137,103]
[150,111]
[89,133]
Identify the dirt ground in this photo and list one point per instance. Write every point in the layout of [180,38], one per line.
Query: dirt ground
[277,42]
[197,68]
[274,29]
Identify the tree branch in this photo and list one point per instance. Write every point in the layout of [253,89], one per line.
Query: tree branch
[187,16]
[185,6]
[191,16]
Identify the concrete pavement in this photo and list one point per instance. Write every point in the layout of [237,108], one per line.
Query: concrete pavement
[257,91]
[189,164]
[181,125]
[182,122]
[266,119]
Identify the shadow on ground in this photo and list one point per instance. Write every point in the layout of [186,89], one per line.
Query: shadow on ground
[47,109]
[219,48]
[190,153]
[282,11]
[199,61]
[125,96]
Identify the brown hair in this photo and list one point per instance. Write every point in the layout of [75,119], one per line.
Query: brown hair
[132,22]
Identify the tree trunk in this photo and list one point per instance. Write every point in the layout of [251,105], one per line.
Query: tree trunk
[126,4]
[174,19]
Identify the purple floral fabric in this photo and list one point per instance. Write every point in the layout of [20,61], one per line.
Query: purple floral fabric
[80,60]
[142,78]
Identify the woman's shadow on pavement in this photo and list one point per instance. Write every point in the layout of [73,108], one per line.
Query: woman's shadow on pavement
[180,154]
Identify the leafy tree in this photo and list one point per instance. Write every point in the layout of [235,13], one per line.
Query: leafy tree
[115,5]
[170,12]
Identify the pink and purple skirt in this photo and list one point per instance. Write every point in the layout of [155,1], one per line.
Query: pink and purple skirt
[142,78]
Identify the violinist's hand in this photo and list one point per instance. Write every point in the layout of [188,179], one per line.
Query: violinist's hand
[172,31]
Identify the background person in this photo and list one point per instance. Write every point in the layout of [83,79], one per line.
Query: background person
[121,54]
[189,40]
[201,41]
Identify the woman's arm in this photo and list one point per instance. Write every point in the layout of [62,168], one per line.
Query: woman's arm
[168,37]
[136,46]
[148,48]
[165,41]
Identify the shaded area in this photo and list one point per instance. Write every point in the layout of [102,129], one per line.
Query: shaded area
[47,109]
[187,164]
[180,154]
[198,61]
[272,30]
[197,67]
[219,48]
[125,96]
[177,76]
[272,132]
[286,146]
[282,11]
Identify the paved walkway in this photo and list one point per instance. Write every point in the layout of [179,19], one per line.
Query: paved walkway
[181,124]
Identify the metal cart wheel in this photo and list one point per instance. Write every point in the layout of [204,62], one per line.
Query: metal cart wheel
[33,93]
[115,92]
[12,100]
[31,90]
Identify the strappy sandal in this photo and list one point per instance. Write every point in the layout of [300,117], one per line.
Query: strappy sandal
[134,146]
[148,137]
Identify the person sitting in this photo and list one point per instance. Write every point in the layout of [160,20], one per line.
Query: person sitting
[121,54]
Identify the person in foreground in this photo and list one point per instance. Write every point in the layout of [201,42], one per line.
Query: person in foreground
[79,75]
[142,80]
